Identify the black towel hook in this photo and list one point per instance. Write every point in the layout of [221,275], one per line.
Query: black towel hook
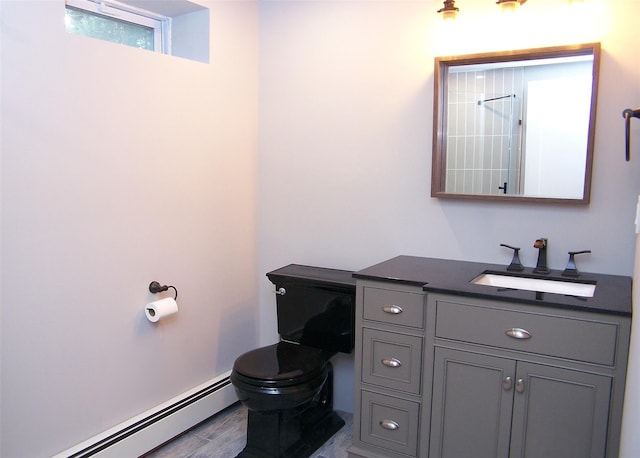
[627,114]
[156,287]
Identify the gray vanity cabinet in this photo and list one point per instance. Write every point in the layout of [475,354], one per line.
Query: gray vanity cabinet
[389,415]
[515,380]
[452,376]
[487,406]
[448,369]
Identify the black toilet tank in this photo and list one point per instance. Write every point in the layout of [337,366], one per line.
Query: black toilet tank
[317,308]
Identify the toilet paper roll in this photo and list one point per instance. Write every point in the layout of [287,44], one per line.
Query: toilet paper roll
[163,308]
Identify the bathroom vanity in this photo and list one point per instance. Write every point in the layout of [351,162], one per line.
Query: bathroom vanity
[449,368]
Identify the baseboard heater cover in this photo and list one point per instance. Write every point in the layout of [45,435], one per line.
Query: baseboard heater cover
[153,428]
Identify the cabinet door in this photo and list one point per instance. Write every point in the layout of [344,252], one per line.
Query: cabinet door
[559,413]
[471,405]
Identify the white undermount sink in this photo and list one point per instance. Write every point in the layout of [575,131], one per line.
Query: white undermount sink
[542,285]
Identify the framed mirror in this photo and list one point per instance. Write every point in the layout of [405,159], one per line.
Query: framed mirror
[516,125]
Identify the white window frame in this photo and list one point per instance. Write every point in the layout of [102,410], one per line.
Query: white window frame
[160,24]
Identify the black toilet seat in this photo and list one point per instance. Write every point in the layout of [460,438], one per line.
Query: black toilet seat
[281,364]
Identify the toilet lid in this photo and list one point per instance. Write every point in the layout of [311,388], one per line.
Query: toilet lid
[282,363]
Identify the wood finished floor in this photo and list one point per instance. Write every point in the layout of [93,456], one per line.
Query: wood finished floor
[224,436]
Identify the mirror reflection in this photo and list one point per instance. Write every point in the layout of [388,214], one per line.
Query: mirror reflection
[516,125]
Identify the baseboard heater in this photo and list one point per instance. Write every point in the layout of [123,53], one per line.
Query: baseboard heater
[156,426]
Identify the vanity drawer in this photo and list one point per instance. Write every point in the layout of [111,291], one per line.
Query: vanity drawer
[391,360]
[389,422]
[559,336]
[394,307]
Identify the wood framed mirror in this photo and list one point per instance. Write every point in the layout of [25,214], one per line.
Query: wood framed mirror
[516,125]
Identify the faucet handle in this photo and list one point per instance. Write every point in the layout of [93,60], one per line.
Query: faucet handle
[571,270]
[516,265]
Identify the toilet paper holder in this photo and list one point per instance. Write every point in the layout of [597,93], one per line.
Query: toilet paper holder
[155,287]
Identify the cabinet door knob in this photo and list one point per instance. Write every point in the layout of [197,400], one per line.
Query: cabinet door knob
[389,424]
[518,333]
[520,385]
[392,309]
[507,383]
[392,362]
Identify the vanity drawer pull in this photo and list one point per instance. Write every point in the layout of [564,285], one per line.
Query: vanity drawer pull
[392,309]
[518,333]
[393,362]
[389,424]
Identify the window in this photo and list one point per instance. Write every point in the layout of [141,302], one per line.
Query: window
[176,27]
[119,23]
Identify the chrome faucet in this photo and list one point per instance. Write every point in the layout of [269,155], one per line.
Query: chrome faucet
[541,266]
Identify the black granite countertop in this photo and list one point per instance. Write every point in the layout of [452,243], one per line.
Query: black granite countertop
[612,294]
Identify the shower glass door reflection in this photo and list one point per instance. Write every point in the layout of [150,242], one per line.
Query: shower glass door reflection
[484,131]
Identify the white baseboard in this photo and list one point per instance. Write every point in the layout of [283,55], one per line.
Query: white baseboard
[145,432]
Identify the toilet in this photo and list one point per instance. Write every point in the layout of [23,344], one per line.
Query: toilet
[288,387]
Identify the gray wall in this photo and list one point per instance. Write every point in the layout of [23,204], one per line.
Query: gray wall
[119,167]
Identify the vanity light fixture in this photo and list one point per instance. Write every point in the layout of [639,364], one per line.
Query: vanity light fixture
[510,5]
[449,10]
